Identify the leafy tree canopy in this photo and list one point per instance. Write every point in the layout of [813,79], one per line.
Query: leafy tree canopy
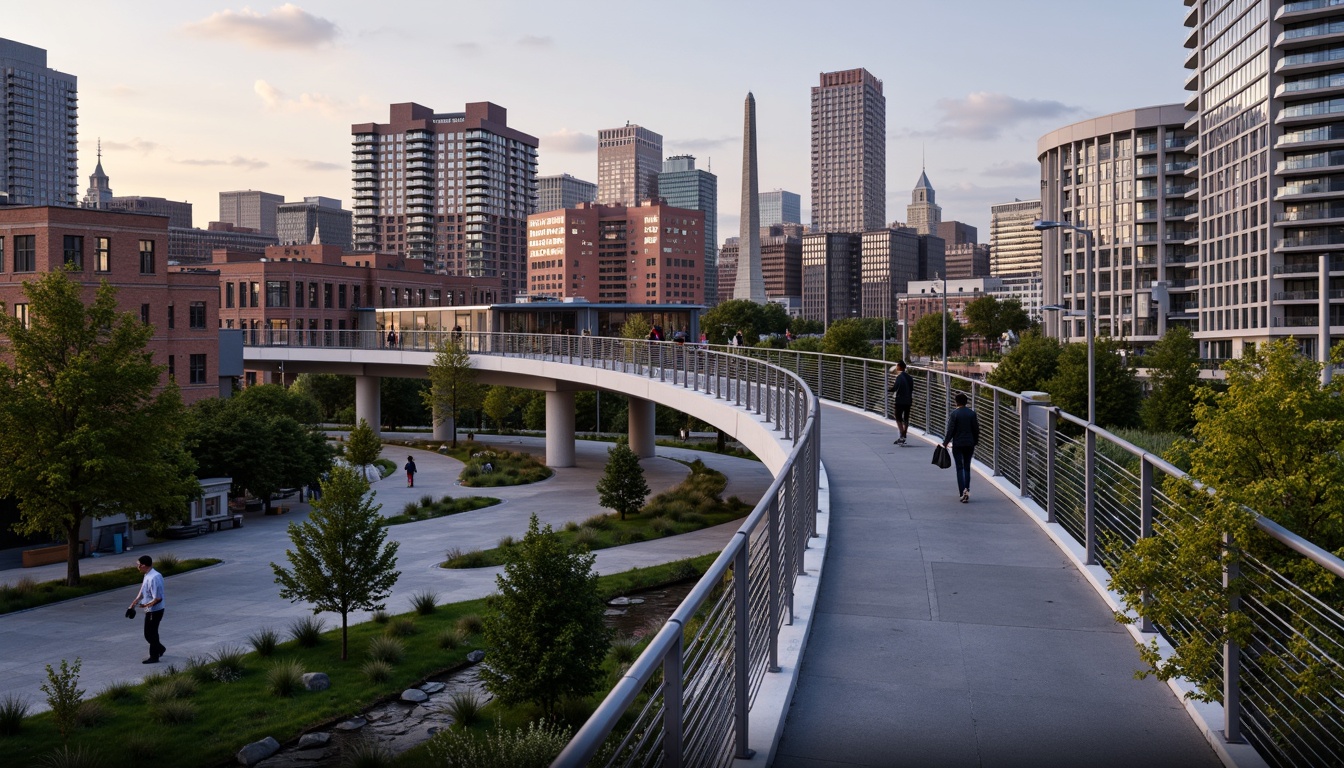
[989,317]
[1173,371]
[754,320]
[1118,391]
[453,388]
[363,446]
[926,335]
[1030,365]
[849,336]
[622,486]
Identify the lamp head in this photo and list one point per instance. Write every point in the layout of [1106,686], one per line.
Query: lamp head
[1041,224]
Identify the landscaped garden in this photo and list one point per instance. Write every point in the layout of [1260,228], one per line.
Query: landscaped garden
[426,508]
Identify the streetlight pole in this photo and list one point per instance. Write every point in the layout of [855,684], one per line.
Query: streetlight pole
[1090,477]
[943,290]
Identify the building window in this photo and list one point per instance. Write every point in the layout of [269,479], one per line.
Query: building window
[228,295]
[436,297]
[312,295]
[146,257]
[340,295]
[355,303]
[172,317]
[102,257]
[326,295]
[2,254]
[298,294]
[73,251]
[277,293]
[197,315]
[172,367]
[198,369]
[21,314]
[25,253]
[256,294]
[144,314]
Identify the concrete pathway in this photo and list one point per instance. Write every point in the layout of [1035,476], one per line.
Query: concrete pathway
[949,634]
[224,604]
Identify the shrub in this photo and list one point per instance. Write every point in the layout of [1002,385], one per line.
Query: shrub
[307,631]
[118,690]
[470,624]
[90,713]
[174,711]
[598,522]
[228,664]
[172,688]
[473,559]
[450,638]
[64,695]
[264,641]
[284,678]
[571,527]
[630,537]
[624,650]
[381,617]
[386,649]
[586,537]
[376,670]
[366,753]
[537,744]
[505,542]
[199,669]
[464,707]
[13,708]
[141,747]
[401,626]
[411,509]
[662,526]
[425,602]
[65,757]
[427,501]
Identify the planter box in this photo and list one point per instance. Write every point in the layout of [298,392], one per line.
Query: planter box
[45,555]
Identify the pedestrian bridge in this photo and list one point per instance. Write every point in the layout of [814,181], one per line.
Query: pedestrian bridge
[942,633]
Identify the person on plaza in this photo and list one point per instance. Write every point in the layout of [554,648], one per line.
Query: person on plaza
[410,472]
[962,434]
[902,392]
[391,339]
[788,335]
[704,339]
[738,340]
[150,598]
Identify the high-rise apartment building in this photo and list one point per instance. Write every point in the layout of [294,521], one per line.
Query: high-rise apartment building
[647,254]
[250,209]
[629,160]
[849,153]
[563,191]
[317,219]
[967,260]
[831,265]
[452,190]
[682,185]
[1014,244]
[923,214]
[1128,179]
[39,133]
[780,207]
[957,233]
[890,261]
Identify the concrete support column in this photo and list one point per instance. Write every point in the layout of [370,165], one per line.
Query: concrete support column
[641,427]
[367,403]
[443,430]
[559,429]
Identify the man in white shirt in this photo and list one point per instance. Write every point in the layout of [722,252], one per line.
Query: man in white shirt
[150,598]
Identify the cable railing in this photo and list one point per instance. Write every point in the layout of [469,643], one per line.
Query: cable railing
[685,700]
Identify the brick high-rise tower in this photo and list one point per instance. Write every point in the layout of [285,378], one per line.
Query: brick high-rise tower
[628,162]
[849,153]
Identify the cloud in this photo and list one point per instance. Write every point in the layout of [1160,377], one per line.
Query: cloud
[984,116]
[704,144]
[536,41]
[1023,169]
[319,165]
[467,47]
[247,163]
[288,26]
[572,142]
[275,98]
[123,91]
[134,145]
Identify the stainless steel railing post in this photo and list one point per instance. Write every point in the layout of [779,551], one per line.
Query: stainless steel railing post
[1231,650]
[741,649]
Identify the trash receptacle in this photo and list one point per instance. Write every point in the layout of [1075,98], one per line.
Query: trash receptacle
[116,543]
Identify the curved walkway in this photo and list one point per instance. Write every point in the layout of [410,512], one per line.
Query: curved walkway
[954,634]
[223,604]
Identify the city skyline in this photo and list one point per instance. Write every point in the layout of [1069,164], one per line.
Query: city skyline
[264,98]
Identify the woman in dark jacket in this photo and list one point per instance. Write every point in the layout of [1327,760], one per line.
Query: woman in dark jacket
[962,433]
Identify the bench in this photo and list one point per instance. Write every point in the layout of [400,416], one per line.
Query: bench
[45,555]
[219,522]
[188,531]
[278,509]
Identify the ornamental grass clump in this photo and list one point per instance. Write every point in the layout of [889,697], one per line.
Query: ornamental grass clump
[264,641]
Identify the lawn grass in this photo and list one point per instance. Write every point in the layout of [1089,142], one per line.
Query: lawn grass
[229,715]
[506,467]
[28,594]
[416,510]
[693,504]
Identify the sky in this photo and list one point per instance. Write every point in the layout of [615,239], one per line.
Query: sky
[191,98]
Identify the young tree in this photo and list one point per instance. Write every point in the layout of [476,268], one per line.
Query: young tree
[339,561]
[848,336]
[636,327]
[453,388]
[926,336]
[363,446]
[622,486]
[1173,369]
[85,429]
[498,406]
[1029,366]
[727,318]
[990,318]
[544,627]
[1118,392]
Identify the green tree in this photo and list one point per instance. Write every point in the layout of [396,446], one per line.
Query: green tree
[453,388]
[265,438]
[926,335]
[534,411]
[807,344]
[636,327]
[1029,366]
[339,561]
[498,406]
[1173,370]
[848,336]
[801,325]
[363,446]
[332,393]
[1118,392]
[990,318]
[622,486]
[402,401]
[86,431]
[544,627]
[726,319]
[1272,443]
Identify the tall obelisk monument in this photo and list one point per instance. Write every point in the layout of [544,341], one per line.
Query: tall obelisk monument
[750,284]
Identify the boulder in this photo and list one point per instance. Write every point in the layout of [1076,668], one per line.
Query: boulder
[257,751]
[311,740]
[316,681]
[414,695]
[353,724]
[475,657]
[432,687]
